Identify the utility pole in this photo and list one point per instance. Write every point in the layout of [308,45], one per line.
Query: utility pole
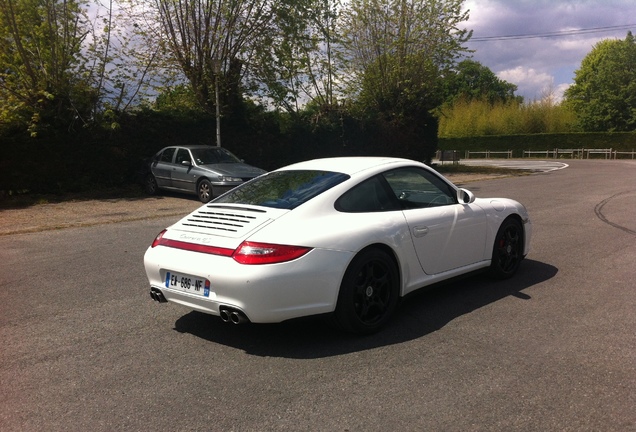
[217,72]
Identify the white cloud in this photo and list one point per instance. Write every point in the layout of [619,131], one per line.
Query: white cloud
[531,82]
[536,64]
[560,89]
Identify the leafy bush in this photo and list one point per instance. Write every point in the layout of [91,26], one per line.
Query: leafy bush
[478,118]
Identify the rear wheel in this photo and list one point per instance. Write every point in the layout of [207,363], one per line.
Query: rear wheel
[204,191]
[368,293]
[508,250]
[150,185]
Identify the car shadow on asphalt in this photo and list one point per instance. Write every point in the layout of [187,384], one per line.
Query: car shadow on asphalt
[418,315]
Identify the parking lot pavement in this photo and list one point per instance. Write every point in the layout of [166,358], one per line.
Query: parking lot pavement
[522,164]
[552,349]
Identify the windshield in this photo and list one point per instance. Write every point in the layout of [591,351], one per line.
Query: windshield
[283,189]
[213,155]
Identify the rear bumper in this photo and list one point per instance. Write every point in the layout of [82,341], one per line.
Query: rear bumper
[264,293]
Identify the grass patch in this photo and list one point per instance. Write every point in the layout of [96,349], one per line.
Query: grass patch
[26,199]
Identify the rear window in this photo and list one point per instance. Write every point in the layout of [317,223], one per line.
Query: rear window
[283,189]
[213,155]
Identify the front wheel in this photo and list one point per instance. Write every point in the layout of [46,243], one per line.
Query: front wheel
[368,293]
[507,251]
[204,191]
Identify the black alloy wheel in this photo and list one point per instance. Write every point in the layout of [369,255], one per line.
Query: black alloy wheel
[508,249]
[368,293]
[204,191]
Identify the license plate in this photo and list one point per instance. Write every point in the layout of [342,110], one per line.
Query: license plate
[190,284]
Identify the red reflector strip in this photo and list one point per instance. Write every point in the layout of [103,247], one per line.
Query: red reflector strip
[193,247]
[247,253]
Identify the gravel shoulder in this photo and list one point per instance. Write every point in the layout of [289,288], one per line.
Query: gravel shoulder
[81,213]
[53,216]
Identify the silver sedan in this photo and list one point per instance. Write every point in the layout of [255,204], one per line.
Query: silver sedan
[202,170]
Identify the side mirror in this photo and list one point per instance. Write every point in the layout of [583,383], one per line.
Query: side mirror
[186,163]
[464,196]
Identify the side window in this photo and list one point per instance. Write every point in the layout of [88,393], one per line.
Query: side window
[182,156]
[418,188]
[369,196]
[166,156]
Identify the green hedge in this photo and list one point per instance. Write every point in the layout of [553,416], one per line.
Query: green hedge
[88,159]
[85,160]
[537,142]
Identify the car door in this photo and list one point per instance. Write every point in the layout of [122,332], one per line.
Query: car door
[162,167]
[183,171]
[446,234]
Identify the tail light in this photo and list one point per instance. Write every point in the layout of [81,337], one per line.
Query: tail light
[157,241]
[267,253]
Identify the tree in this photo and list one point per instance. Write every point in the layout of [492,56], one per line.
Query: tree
[123,71]
[212,42]
[279,52]
[603,95]
[61,68]
[399,50]
[297,65]
[472,80]
[42,79]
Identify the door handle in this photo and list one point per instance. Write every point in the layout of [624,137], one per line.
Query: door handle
[420,231]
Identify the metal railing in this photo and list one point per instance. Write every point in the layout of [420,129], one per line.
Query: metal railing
[629,155]
[489,154]
[556,153]
[582,153]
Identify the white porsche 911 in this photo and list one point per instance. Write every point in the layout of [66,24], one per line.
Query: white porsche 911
[346,237]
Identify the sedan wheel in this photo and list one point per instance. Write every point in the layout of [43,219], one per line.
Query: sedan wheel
[204,191]
[508,250]
[369,292]
[150,185]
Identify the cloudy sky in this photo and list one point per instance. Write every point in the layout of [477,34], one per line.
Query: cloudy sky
[549,38]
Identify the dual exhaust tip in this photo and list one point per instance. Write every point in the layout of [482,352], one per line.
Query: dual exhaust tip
[228,315]
[233,316]
[157,295]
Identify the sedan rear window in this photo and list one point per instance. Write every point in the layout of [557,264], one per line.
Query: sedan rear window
[213,155]
[283,189]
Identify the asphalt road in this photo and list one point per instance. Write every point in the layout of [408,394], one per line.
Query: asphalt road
[83,348]
[536,165]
